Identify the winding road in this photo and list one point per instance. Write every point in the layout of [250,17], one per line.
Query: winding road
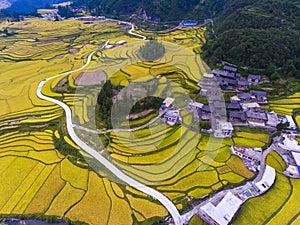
[168,204]
[131,30]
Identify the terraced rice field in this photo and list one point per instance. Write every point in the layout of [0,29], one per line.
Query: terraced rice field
[178,161]
[286,105]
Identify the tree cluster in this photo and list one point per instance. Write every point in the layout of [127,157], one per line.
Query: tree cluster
[152,50]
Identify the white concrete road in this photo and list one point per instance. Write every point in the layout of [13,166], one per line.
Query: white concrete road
[131,30]
[168,204]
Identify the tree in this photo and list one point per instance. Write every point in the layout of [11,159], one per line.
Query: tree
[152,50]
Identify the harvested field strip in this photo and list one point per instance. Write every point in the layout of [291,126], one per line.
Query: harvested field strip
[44,119]
[64,200]
[34,111]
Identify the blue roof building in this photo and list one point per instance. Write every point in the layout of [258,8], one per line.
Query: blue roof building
[189,23]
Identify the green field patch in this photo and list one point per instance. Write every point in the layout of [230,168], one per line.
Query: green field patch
[223,154]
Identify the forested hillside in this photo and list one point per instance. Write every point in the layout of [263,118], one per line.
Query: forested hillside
[165,10]
[261,34]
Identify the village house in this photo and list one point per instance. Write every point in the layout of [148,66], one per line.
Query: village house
[168,103]
[208,83]
[256,117]
[287,142]
[254,79]
[119,43]
[233,106]
[260,96]
[296,156]
[238,118]
[230,69]
[253,154]
[290,120]
[241,98]
[221,209]
[223,129]
[250,156]
[273,120]
[267,180]
[250,106]
[171,117]
[194,105]
[227,83]
[242,85]
[204,113]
